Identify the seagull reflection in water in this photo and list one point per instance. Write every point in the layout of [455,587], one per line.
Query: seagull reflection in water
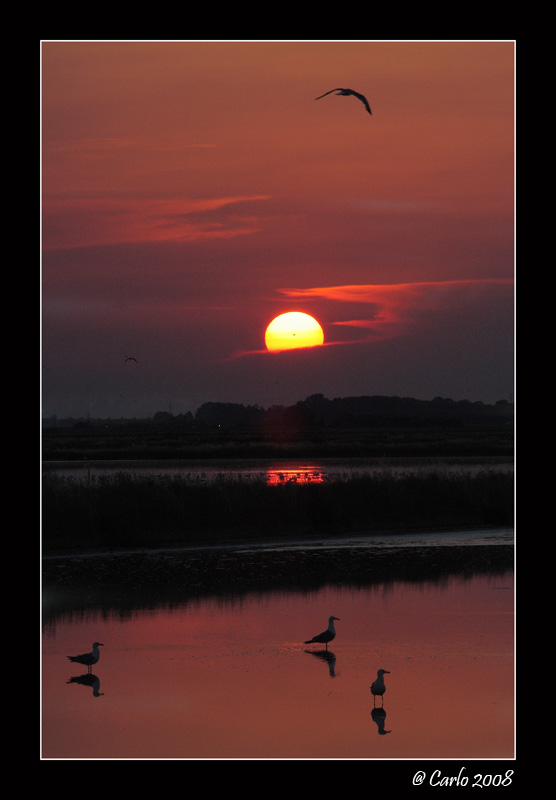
[379,717]
[325,655]
[88,680]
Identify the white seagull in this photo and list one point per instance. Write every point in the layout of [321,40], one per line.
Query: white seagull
[88,659]
[326,636]
[345,93]
[378,686]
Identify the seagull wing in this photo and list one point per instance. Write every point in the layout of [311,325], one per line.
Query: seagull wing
[82,658]
[320,637]
[363,100]
[324,95]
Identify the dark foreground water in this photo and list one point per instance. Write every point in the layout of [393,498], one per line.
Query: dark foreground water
[211,663]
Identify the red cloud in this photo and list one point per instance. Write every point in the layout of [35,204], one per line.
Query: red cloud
[392,307]
[96,221]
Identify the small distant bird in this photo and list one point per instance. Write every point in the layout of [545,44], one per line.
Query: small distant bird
[326,636]
[345,93]
[378,687]
[88,659]
[130,358]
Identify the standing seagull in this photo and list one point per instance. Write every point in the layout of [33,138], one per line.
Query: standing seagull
[378,686]
[345,93]
[326,636]
[88,659]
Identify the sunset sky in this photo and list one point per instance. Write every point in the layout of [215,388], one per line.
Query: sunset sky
[194,190]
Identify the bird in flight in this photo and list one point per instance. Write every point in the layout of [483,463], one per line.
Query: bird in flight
[345,93]
[130,358]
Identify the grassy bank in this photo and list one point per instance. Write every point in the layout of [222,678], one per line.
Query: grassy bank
[159,442]
[132,511]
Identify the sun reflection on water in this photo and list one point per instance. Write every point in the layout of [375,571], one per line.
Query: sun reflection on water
[298,475]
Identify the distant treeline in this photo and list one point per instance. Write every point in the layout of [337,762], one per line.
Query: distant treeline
[360,412]
[316,411]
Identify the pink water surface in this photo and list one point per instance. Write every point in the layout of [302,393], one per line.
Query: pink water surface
[232,678]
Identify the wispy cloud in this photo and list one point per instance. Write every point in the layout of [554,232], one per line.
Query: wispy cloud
[100,221]
[391,308]
[112,146]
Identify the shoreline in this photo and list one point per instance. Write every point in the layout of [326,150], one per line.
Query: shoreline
[370,539]
[139,578]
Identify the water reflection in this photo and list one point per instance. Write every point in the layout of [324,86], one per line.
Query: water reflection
[127,582]
[229,677]
[325,655]
[275,472]
[89,680]
[379,718]
[297,475]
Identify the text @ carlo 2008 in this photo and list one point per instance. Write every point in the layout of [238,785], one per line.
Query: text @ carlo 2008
[478,780]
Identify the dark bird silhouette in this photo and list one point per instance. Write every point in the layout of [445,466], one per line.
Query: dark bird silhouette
[378,715]
[325,655]
[378,687]
[88,680]
[345,93]
[326,636]
[88,659]
[130,358]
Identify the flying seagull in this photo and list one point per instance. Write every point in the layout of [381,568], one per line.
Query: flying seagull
[130,358]
[345,93]
[326,636]
[88,659]
[378,687]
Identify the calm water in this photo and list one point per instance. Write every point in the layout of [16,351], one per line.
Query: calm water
[230,677]
[275,472]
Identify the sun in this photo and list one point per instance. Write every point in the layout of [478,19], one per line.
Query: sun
[293,330]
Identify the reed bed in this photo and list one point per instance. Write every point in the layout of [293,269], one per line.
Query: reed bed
[127,510]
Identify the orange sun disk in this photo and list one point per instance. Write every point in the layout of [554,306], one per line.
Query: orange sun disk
[293,330]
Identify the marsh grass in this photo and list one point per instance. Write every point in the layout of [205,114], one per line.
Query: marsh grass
[127,510]
[141,440]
